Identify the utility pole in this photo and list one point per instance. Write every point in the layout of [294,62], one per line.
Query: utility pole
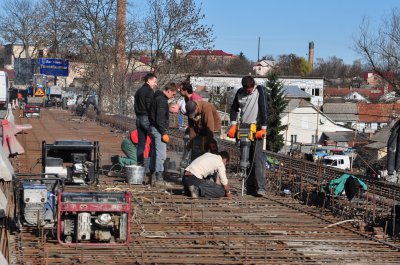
[316,132]
[258,53]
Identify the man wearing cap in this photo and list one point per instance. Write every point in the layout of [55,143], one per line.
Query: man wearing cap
[194,179]
[253,105]
[204,124]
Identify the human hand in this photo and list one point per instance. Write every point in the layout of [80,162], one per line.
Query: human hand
[261,133]
[165,138]
[232,131]
[229,194]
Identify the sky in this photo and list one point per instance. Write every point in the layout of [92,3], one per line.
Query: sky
[287,26]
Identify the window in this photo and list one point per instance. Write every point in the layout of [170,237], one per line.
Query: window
[312,139]
[315,91]
[302,89]
[293,138]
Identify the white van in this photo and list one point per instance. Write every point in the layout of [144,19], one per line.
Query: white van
[3,90]
[337,161]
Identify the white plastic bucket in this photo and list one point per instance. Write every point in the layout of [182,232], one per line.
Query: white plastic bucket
[134,174]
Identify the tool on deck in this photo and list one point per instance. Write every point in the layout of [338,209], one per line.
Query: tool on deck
[245,135]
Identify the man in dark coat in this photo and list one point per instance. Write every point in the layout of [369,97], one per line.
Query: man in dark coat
[143,100]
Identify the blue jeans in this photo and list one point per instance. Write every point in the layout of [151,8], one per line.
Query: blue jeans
[158,151]
[143,128]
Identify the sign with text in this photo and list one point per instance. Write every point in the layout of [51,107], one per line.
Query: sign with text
[51,66]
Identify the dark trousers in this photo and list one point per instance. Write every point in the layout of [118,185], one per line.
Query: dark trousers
[206,188]
[256,179]
[143,128]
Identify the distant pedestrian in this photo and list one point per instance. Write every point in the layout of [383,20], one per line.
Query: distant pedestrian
[159,122]
[195,179]
[142,104]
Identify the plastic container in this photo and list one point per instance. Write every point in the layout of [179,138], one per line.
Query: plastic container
[134,174]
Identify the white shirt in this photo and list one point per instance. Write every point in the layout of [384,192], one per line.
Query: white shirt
[208,164]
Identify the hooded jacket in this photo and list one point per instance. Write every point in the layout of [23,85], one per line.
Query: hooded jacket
[159,113]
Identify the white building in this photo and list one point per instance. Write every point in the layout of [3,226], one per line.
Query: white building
[306,123]
[263,67]
[313,86]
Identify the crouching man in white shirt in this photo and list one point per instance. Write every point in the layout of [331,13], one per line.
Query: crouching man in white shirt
[194,180]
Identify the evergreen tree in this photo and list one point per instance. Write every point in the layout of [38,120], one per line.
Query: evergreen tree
[276,105]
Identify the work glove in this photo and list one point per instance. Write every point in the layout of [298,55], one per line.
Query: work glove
[232,131]
[165,138]
[261,133]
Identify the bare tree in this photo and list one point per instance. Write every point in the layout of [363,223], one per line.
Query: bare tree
[380,49]
[57,30]
[21,24]
[170,23]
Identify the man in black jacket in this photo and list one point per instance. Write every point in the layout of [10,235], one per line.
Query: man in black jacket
[143,100]
[159,121]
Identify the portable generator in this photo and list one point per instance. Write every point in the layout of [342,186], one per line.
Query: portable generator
[75,161]
[93,218]
[79,218]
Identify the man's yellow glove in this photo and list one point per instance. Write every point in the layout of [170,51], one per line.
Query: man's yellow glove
[165,138]
[261,133]
[232,131]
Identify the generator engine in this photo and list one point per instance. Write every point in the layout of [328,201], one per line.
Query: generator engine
[76,162]
[36,201]
[94,218]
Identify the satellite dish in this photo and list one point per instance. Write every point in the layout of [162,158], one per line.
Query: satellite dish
[322,120]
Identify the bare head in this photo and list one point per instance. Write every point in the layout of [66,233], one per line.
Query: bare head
[170,90]
[151,80]
[248,84]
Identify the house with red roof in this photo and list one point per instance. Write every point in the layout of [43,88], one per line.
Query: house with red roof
[372,117]
[216,56]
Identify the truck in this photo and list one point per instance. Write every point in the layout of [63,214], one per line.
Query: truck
[37,90]
[337,161]
[3,90]
[54,96]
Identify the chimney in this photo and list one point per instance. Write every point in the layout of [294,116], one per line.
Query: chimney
[311,54]
[121,32]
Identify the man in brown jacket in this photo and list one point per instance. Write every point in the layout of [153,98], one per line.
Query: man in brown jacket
[204,125]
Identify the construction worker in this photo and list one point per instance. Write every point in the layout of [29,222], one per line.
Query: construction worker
[186,91]
[159,122]
[253,105]
[129,147]
[142,104]
[196,174]
[204,123]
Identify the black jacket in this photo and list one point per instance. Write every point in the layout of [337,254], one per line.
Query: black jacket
[143,99]
[159,114]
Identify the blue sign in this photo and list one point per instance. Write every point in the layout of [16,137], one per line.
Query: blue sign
[56,67]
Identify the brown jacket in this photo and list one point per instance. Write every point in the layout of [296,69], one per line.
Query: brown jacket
[207,121]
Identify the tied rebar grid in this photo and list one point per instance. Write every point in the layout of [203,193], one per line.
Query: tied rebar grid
[172,229]
[168,228]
